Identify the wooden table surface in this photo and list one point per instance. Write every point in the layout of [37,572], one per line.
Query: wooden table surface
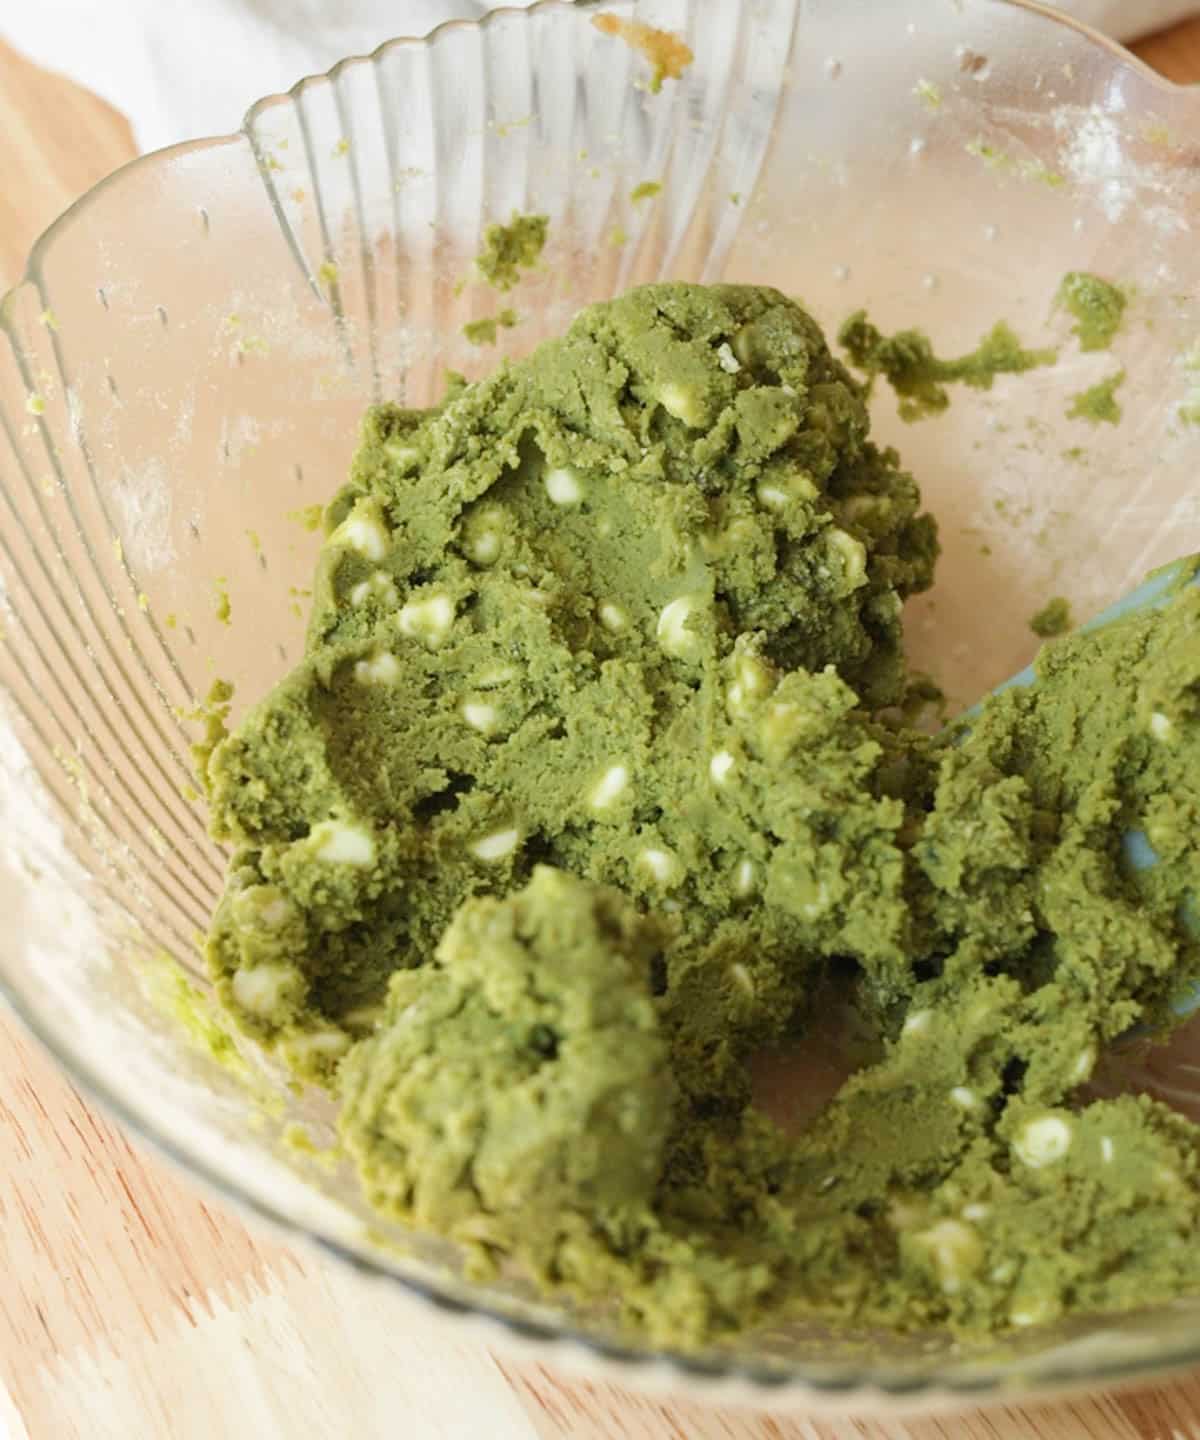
[133,1308]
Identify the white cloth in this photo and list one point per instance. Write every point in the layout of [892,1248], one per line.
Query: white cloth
[181,69]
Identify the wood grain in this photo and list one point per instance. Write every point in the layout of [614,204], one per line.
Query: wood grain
[135,1309]
[58,140]
[1176,52]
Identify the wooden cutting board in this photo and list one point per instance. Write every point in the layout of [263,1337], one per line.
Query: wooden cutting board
[131,1308]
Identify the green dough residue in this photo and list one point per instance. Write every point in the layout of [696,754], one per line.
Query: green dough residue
[308,516]
[996,159]
[1054,618]
[170,990]
[1189,408]
[1097,306]
[509,249]
[929,93]
[212,715]
[594,785]
[1099,404]
[907,362]
[647,190]
[485,331]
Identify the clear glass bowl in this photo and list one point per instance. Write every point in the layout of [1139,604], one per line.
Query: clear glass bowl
[193,344]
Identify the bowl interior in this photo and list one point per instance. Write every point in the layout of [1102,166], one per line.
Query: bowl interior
[195,341]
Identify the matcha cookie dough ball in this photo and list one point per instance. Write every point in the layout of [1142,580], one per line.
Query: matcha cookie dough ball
[521,1076]
[541,612]
[685,464]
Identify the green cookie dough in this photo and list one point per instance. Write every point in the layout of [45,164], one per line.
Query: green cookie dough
[542,625]
[1097,306]
[919,377]
[521,1075]
[509,249]
[594,785]
[487,330]
[1054,618]
[1099,404]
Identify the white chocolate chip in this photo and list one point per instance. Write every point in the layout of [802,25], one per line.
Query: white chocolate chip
[321,1044]
[480,716]
[339,843]
[719,767]
[403,455]
[674,637]
[262,989]
[612,617]
[1107,1149]
[818,904]
[956,1250]
[427,620]
[1043,1141]
[484,548]
[976,1212]
[1160,726]
[483,535]
[381,669]
[683,403]
[563,487]
[609,787]
[917,1023]
[1033,1312]
[364,530]
[662,866]
[495,676]
[496,846]
[363,1017]
[853,556]
[964,1098]
[743,880]
[275,914]
[1084,1064]
[380,585]
[784,724]
[362,535]
[778,494]
[752,678]
[261,908]
[727,360]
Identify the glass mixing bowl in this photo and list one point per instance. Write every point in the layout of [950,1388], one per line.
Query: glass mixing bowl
[186,362]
